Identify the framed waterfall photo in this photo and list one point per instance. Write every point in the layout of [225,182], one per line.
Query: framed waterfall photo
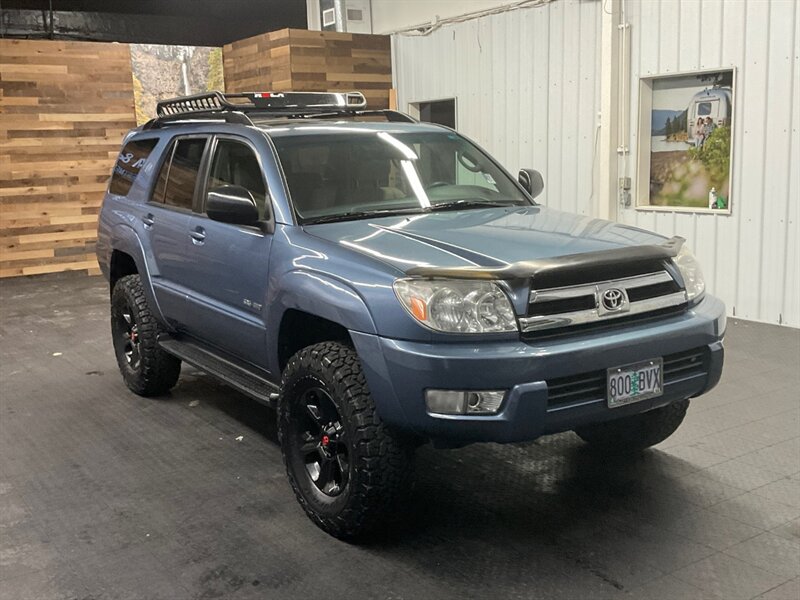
[685,136]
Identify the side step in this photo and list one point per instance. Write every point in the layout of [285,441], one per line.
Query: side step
[225,370]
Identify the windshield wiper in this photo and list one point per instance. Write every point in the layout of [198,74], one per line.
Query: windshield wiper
[364,214]
[456,204]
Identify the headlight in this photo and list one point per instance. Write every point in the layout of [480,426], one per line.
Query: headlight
[691,273]
[457,306]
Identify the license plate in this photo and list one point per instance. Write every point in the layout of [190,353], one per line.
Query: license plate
[636,382]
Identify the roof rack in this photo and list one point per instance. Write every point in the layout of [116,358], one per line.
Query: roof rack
[240,107]
[272,103]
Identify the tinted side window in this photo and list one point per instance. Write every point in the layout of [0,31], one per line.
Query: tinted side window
[129,162]
[235,164]
[180,179]
[161,182]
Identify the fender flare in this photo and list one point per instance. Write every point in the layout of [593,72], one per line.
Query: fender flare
[318,294]
[321,295]
[125,239]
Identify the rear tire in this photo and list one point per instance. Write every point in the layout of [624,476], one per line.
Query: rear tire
[145,367]
[347,469]
[636,432]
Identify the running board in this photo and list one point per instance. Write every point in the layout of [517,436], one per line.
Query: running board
[237,377]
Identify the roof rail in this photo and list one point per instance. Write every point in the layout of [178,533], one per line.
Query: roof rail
[269,103]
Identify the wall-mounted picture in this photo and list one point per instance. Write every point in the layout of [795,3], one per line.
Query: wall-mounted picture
[161,72]
[691,117]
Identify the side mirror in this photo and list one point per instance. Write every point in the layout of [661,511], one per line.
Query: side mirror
[232,204]
[532,181]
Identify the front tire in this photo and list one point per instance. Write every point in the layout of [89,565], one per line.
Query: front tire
[637,432]
[145,367]
[347,469]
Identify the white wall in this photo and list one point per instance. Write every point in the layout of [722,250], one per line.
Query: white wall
[391,15]
[394,15]
[750,258]
[527,89]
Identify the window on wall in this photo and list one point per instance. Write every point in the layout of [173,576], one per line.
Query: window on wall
[442,112]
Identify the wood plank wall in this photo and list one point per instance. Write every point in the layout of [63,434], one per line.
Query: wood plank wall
[64,107]
[315,61]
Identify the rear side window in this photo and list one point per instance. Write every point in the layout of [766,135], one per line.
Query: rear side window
[129,163]
[178,177]
[235,164]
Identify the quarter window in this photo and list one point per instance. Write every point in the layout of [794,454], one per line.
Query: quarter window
[129,163]
[236,164]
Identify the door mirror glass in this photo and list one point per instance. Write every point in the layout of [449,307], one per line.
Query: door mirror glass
[232,204]
[532,181]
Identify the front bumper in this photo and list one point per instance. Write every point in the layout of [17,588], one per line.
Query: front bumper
[398,373]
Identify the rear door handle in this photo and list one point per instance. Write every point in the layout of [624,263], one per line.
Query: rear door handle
[148,220]
[198,236]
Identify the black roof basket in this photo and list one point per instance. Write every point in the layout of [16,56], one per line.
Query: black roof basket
[234,108]
[272,103]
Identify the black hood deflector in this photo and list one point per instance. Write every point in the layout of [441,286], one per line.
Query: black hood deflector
[532,268]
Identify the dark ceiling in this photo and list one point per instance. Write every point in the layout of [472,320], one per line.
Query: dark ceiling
[188,22]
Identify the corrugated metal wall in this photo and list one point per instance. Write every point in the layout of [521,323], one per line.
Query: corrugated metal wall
[527,86]
[750,258]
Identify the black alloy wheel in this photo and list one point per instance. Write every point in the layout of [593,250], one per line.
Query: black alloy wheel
[315,426]
[146,368]
[347,469]
[128,329]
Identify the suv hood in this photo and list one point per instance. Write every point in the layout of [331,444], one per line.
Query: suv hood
[490,237]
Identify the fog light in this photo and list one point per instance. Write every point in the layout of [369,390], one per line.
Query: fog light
[452,402]
[484,402]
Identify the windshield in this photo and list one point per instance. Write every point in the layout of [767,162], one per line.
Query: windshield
[358,173]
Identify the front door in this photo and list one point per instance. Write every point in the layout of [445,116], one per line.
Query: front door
[228,270]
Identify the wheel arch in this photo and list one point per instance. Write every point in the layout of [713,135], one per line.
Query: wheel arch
[128,258]
[309,308]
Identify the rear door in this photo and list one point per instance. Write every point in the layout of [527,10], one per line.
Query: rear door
[228,264]
[166,221]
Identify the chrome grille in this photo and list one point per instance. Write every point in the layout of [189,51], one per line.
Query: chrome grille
[568,306]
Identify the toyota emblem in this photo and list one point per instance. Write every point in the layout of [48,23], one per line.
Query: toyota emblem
[613,299]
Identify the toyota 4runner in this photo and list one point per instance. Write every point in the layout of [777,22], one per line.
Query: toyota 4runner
[382,283]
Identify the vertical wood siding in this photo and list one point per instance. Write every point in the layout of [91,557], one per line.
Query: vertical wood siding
[527,88]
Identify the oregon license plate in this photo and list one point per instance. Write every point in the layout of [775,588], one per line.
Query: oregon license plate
[636,382]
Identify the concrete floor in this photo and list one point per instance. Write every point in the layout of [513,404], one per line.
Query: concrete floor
[107,495]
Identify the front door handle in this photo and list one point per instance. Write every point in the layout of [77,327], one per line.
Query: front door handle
[198,236]
[148,220]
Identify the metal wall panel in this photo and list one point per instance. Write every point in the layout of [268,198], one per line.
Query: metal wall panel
[527,86]
[750,257]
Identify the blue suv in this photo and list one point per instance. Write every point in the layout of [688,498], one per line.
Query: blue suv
[384,283]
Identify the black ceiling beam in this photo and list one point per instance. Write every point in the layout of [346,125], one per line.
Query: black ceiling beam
[189,22]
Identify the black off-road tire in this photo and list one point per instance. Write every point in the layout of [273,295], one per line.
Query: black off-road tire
[636,432]
[379,460]
[155,372]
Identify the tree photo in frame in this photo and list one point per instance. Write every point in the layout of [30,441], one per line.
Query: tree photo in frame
[690,122]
